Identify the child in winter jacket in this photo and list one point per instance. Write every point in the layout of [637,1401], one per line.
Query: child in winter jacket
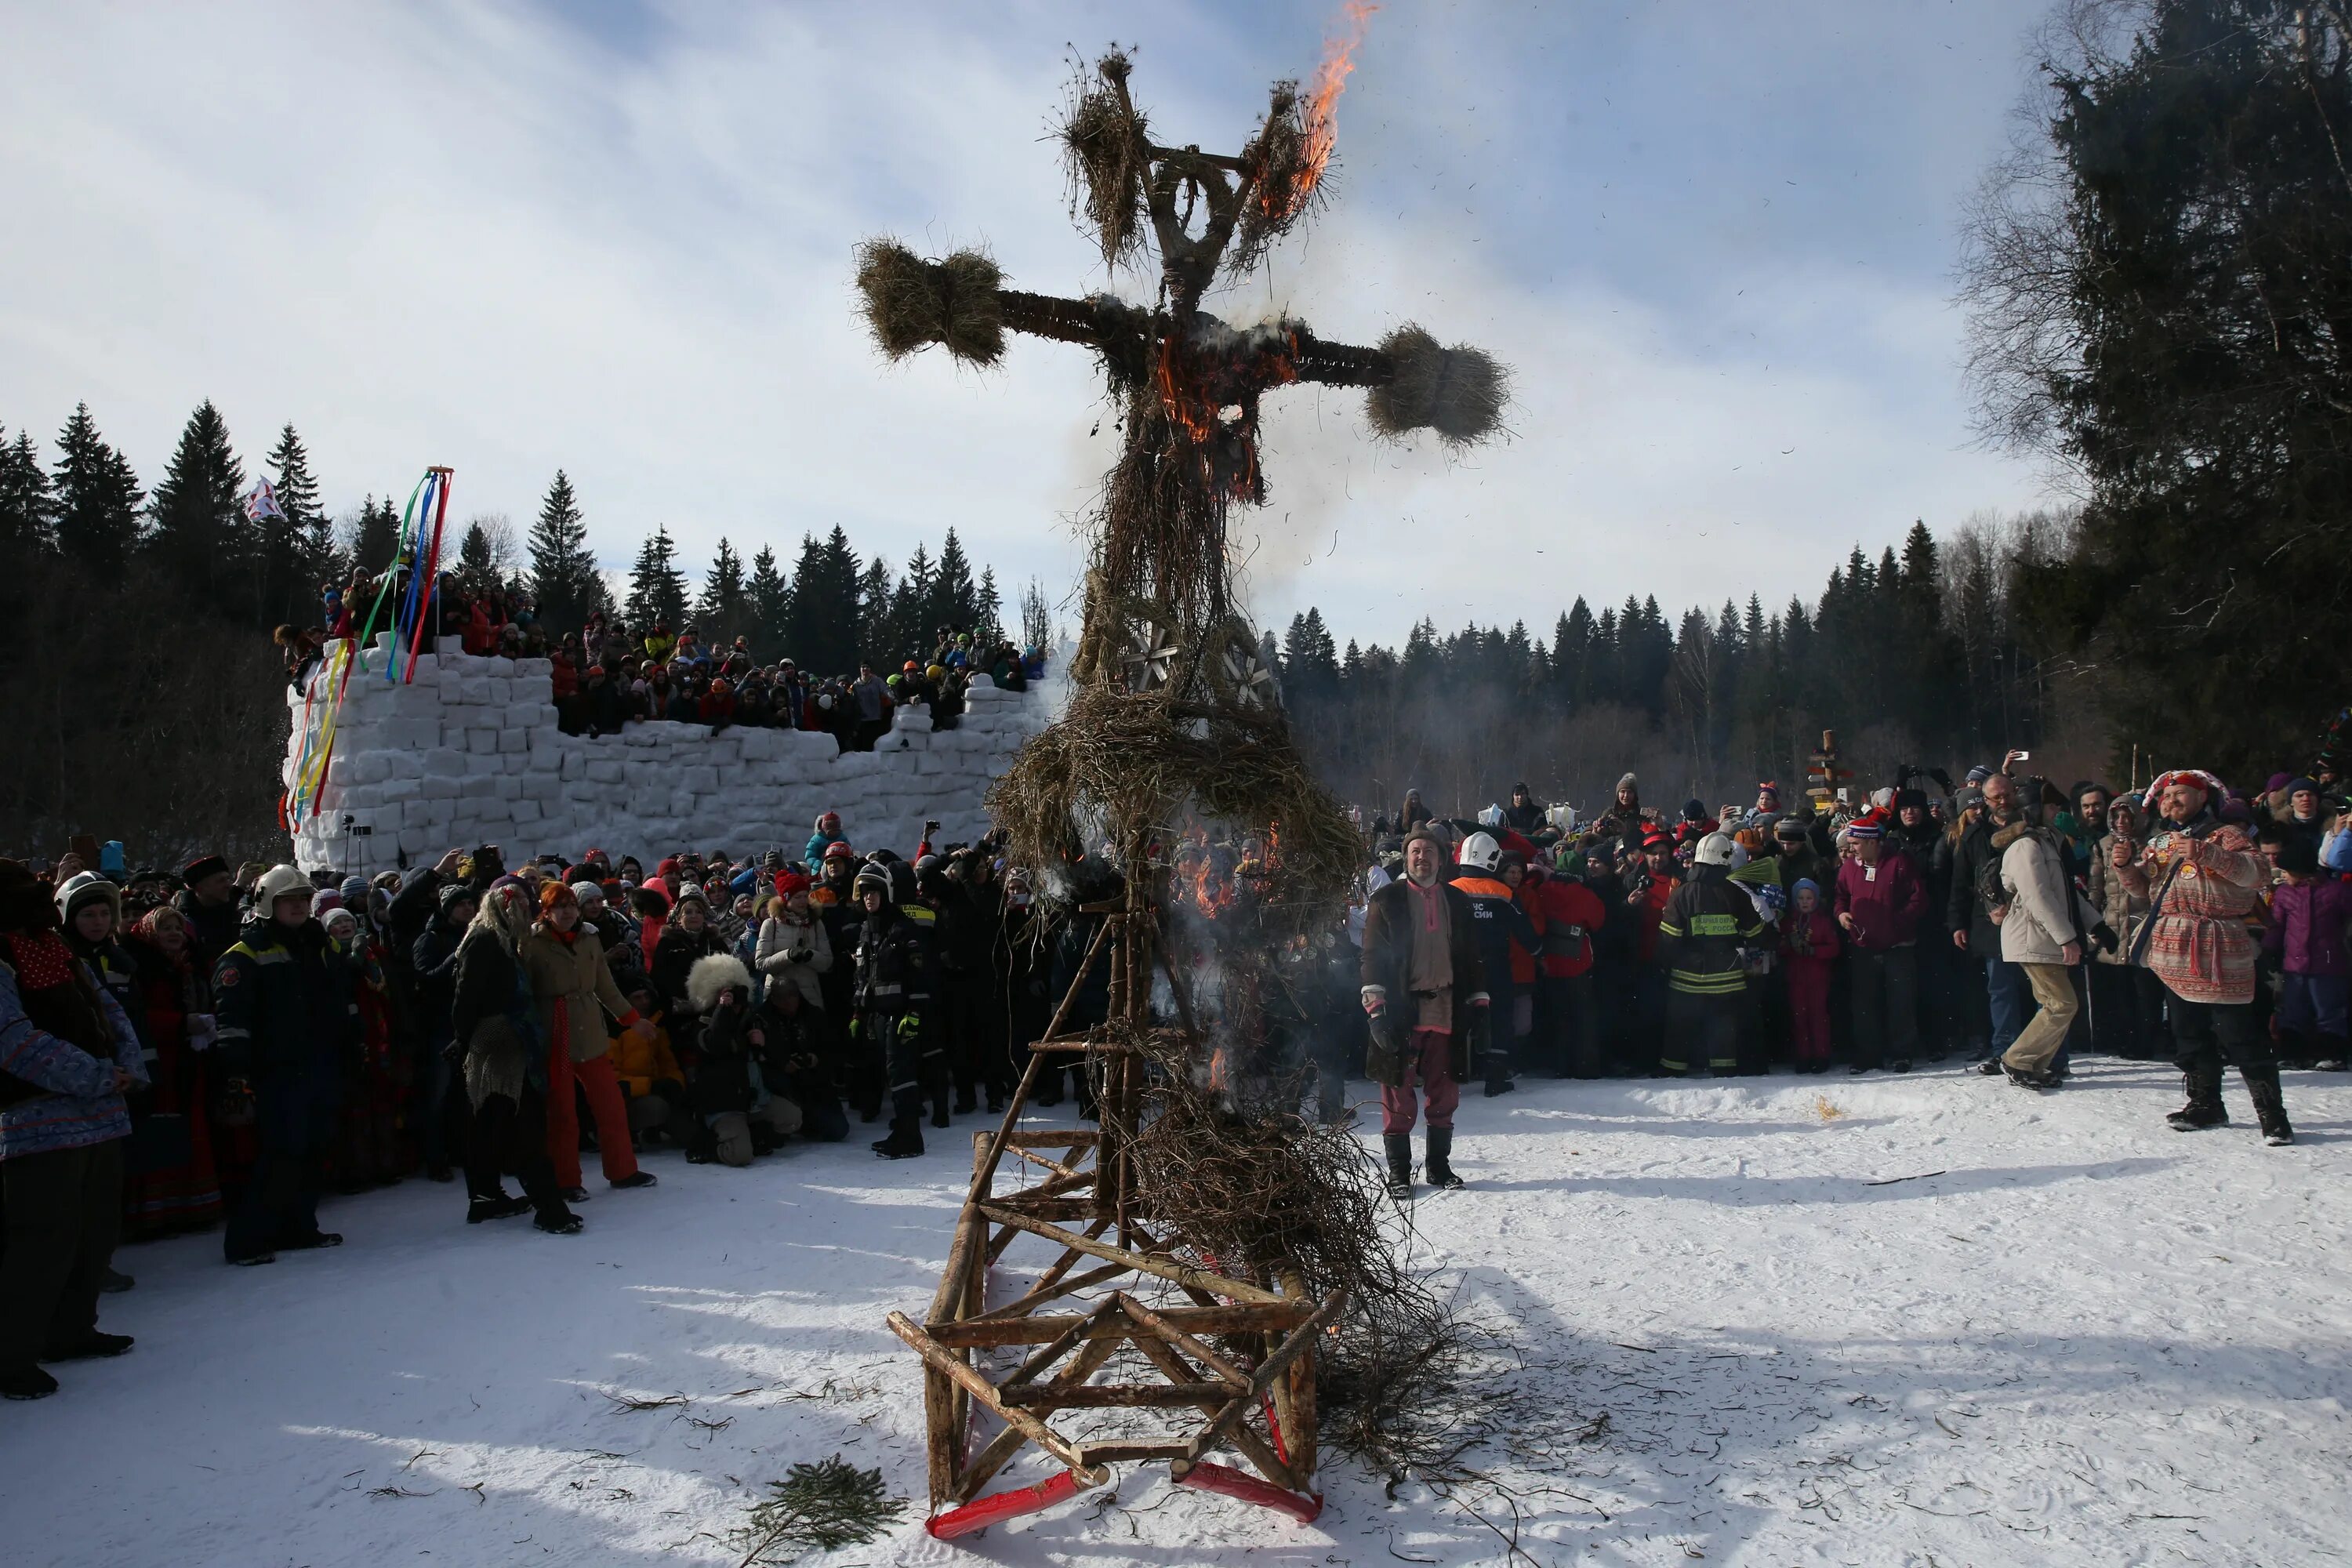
[1809,946]
[2309,914]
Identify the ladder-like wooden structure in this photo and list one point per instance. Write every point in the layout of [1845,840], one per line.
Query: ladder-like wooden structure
[1252,1389]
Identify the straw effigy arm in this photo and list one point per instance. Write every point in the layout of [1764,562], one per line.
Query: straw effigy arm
[1098,321]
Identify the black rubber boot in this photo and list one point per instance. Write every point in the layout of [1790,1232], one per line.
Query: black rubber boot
[905,1139]
[2263,1088]
[1400,1151]
[499,1207]
[2204,1108]
[1439,1166]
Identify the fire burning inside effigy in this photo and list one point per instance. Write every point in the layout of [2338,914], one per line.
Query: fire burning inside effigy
[1173,816]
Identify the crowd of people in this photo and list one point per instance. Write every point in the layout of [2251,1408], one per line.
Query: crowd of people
[222,1046]
[610,674]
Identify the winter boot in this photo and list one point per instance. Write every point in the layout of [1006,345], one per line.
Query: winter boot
[2204,1108]
[2263,1088]
[966,1101]
[1439,1165]
[558,1221]
[634,1179]
[500,1206]
[90,1344]
[905,1139]
[1400,1151]
[25,1382]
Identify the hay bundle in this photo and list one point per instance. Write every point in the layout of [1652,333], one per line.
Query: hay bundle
[1290,181]
[1118,763]
[1458,392]
[912,303]
[1104,149]
[1252,1188]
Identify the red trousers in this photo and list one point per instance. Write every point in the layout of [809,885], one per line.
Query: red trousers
[1809,1008]
[605,1103]
[1427,1068]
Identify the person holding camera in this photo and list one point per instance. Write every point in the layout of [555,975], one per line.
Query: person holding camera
[2042,925]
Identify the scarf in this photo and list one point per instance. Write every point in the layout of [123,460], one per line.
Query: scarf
[56,992]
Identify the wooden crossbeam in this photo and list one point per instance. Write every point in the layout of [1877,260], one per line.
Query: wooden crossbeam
[1054,1291]
[1172,1367]
[1159,1268]
[977,1333]
[1274,1366]
[940,1359]
[1205,1354]
[1115,1395]
[1005,1444]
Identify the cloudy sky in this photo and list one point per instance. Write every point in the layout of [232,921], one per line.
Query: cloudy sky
[1715,244]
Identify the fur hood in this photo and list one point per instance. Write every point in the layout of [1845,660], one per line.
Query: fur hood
[713,974]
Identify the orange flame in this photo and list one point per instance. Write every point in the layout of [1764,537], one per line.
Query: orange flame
[1322,119]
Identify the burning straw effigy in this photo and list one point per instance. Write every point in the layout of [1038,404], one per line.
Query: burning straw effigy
[1226,1263]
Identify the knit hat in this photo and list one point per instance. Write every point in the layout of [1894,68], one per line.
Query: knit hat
[1979,773]
[2301,783]
[2299,855]
[354,891]
[1628,782]
[1801,883]
[324,900]
[1431,836]
[1788,827]
[1768,788]
[790,882]
[1862,827]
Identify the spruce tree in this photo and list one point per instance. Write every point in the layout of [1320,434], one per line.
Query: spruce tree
[375,535]
[285,550]
[878,612]
[913,619]
[27,513]
[478,566]
[724,611]
[954,597]
[769,600]
[657,586]
[97,499]
[199,538]
[565,585]
[987,625]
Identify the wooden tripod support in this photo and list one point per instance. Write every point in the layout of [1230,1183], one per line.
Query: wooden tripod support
[1251,1390]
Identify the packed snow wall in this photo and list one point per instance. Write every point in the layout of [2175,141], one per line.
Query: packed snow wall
[468,752]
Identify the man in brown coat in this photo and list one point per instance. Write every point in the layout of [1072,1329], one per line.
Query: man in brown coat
[1427,993]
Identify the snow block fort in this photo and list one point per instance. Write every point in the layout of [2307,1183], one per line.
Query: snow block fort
[467,751]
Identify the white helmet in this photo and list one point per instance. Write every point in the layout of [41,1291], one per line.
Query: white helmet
[1717,850]
[277,882]
[1481,850]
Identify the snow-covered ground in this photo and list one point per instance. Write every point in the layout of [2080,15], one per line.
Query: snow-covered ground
[1922,1320]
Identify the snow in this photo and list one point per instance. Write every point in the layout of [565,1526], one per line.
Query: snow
[2083,1338]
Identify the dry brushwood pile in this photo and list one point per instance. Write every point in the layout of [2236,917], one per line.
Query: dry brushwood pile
[1261,1259]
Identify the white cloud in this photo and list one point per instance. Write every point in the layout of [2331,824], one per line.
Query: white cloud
[484,236]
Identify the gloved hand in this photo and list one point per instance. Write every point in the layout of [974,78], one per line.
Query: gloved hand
[856,1028]
[910,1028]
[1943,779]
[800,955]
[2104,935]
